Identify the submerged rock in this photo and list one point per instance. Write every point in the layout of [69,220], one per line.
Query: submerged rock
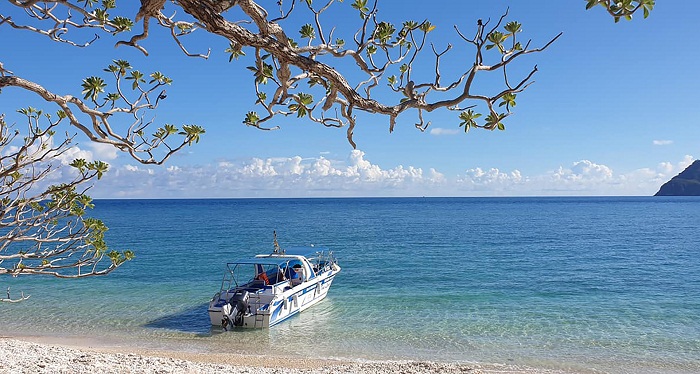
[687,183]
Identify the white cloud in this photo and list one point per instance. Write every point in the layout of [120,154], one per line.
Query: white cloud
[73,153]
[489,177]
[662,142]
[359,176]
[39,151]
[585,170]
[292,176]
[441,131]
[104,152]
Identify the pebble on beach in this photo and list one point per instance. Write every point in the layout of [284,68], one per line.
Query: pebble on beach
[27,357]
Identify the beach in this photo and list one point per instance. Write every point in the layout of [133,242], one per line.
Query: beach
[29,356]
[571,285]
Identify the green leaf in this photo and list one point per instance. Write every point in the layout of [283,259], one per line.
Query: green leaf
[426,26]
[160,78]
[497,38]
[251,119]
[79,164]
[235,50]
[508,100]
[113,97]
[184,27]
[265,73]
[137,77]
[98,167]
[101,15]
[15,175]
[301,106]
[493,120]
[361,5]
[123,66]
[192,133]
[122,24]
[513,27]
[468,118]
[383,32]
[92,87]
[307,31]
[410,25]
[306,99]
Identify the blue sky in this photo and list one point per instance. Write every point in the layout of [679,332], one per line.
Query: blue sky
[612,112]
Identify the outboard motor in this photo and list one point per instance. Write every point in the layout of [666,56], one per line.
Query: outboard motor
[235,310]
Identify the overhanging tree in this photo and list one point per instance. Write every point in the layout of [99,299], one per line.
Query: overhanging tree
[315,72]
[44,229]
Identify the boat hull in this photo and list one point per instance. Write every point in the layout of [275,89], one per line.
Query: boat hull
[283,305]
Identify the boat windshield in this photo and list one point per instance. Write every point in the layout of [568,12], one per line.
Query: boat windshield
[263,272]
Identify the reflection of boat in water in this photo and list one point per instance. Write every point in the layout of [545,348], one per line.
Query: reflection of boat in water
[264,290]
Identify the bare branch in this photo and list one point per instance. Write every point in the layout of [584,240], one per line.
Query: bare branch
[9,299]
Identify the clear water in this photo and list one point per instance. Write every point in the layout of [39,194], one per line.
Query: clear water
[583,284]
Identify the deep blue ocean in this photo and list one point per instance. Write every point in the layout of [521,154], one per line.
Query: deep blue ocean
[600,284]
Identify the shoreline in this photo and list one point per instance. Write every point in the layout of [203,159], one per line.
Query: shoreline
[46,355]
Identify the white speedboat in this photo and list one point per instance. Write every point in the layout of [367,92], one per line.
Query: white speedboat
[264,290]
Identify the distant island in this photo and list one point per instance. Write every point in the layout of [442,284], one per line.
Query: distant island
[687,183]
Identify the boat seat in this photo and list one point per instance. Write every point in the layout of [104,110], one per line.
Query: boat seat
[257,283]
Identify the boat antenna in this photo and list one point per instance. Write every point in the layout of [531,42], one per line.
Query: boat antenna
[274,242]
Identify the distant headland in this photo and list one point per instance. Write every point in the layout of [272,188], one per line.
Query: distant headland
[687,183]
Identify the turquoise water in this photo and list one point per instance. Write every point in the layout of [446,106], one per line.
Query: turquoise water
[584,284]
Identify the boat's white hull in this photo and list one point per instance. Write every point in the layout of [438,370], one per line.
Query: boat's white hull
[282,306]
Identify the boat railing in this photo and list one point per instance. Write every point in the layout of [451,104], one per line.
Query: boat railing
[321,261]
[226,285]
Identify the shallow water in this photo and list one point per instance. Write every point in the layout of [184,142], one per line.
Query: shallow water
[607,284]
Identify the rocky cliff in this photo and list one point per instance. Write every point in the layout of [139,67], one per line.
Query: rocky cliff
[686,183]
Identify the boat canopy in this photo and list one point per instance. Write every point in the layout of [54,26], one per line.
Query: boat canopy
[277,260]
[305,251]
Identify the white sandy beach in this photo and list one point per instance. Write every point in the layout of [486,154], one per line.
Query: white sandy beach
[24,356]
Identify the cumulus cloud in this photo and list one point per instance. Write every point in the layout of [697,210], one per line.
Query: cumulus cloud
[662,142]
[103,152]
[441,131]
[489,182]
[73,153]
[584,170]
[39,151]
[581,178]
[45,159]
[273,177]
[357,175]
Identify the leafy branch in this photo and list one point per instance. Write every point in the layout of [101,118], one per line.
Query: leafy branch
[289,62]
[132,94]
[45,229]
[619,9]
